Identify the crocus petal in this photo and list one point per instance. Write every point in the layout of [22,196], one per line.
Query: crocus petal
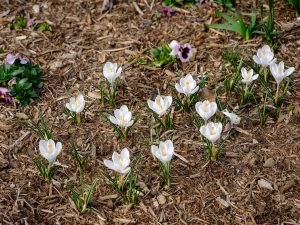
[289,71]
[125,171]
[113,120]
[178,88]
[256,59]
[109,164]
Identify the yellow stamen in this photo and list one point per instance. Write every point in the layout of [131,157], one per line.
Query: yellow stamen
[187,83]
[213,129]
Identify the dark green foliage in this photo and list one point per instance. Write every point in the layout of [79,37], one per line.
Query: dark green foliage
[179,3]
[267,28]
[161,56]
[44,27]
[19,23]
[228,4]
[27,78]
[296,5]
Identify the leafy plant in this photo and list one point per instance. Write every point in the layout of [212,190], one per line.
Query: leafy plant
[238,25]
[161,56]
[19,23]
[44,27]
[179,3]
[82,198]
[230,83]
[126,186]
[228,4]
[46,172]
[296,5]
[40,128]
[27,80]
[267,28]
[231,56]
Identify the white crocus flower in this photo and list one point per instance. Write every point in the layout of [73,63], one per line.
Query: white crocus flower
[212,131]
[120,162]
[206,109]
[111,71]
[49,150]
[248,76]
[187,85]
[122,117]
[234,119]
[279,73]
[160,105]
[76,104]
[164,152]
[264,56]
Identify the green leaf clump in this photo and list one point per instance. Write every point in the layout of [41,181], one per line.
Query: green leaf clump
[27,80]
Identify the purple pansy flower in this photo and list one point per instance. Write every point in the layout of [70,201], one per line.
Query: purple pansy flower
[167,10]
[175,47]
[4,95]
[183,52]
[10,59]
[29,22]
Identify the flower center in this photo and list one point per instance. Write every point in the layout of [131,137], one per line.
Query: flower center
[279,70]
[120,159]
[76,100]
[187,83]
[122,118]
[110,69]
[50,148]
[213,130]
[164,150]
[264,53]
[158,101]
[206,105]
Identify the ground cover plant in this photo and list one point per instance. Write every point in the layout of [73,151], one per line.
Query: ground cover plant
[146,114]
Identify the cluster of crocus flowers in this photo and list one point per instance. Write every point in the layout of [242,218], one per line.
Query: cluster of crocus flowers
[76,106]
[4,95]
[184,52]
[265,57]
[164,153]
[10,59]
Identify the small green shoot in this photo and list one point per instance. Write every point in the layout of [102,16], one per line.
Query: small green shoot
[40,128]
[19,23]
[267,28]
[45,171]
[126,186]
[238,25]
[179,3]
[227,4]
[44,27]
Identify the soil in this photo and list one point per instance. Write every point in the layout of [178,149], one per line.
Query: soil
[226,191]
